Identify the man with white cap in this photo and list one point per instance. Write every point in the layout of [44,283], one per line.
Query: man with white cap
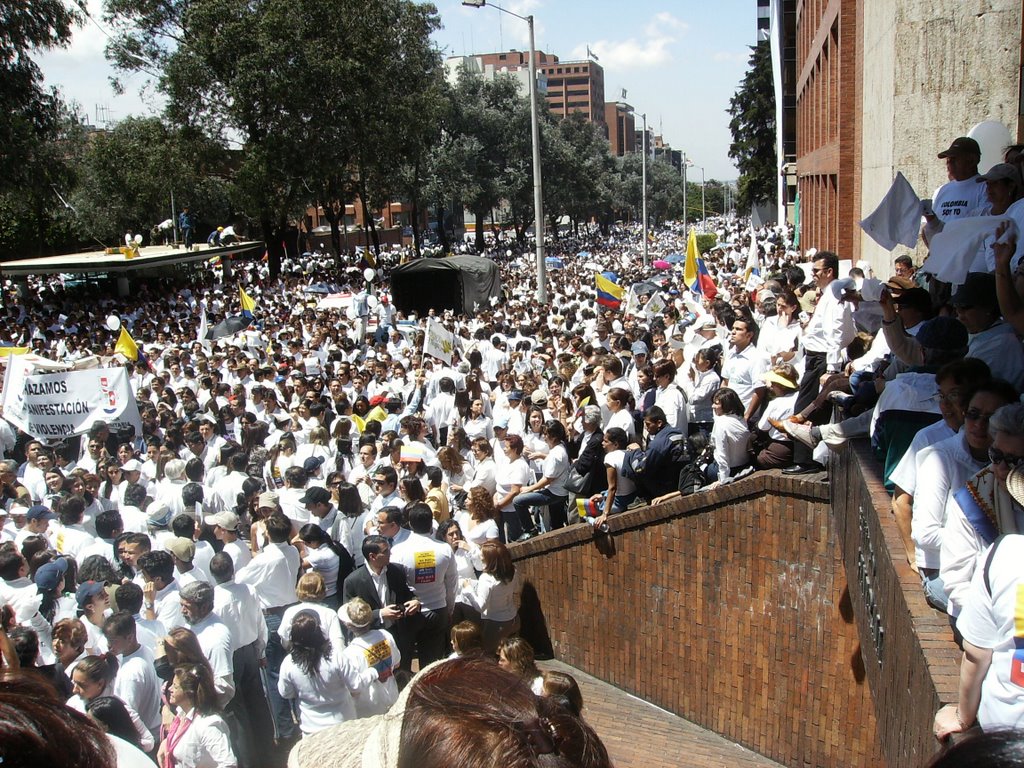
[225,530]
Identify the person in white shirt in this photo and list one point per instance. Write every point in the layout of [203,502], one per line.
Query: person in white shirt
[670,397]
[225,529]
[320,677]
[198,737]
[239,608]
[824,343]
[745,366]
[162,602]
[71,538]
[213,635]
[183,551]
[730,438]
[273,573]
[371,649]
[496,595]
[136,683]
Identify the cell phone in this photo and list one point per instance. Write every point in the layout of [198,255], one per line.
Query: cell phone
[926,209]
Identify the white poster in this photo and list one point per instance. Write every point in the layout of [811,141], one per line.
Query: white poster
[439,341]
[55,405]
[655,306]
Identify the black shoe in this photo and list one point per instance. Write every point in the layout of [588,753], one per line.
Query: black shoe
[804,469]
[528,535]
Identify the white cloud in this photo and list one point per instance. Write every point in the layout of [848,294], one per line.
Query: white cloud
[653,50]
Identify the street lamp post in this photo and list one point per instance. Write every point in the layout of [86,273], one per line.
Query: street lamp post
[703,210]
[538,198]
[686,162]
[643,195]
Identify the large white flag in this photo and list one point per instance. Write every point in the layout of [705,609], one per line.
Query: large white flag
[439,341]
[655,305]
[897,218]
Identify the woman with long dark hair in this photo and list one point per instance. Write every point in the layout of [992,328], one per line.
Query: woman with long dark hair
[322,554]
[496,595]
[321,681]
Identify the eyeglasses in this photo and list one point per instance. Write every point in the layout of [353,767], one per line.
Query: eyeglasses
[335,485]
[973,414]
[998,457]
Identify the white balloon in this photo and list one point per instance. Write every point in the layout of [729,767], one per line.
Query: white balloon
[371,302]
[993,138]
[369,274]
[138,239]
[113,322]
[128,238]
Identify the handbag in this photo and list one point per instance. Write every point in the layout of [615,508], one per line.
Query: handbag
[575,482]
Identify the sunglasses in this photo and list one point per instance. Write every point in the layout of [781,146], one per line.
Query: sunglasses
[998,457]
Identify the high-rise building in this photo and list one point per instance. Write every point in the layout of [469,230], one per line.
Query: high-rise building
[567,86]
[619,118]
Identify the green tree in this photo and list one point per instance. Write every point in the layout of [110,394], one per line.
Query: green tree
[752,123]
[282,78]
[578,170]
[127,175]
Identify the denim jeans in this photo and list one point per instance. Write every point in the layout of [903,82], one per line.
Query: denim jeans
[541,498]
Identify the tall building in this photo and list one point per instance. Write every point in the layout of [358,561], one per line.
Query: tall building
[567,86]
[776,25]
[619,118]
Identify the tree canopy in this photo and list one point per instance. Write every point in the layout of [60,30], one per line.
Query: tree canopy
[752,123]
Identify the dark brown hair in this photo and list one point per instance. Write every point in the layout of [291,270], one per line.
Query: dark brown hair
[468,713]
[37,729]
[497,561]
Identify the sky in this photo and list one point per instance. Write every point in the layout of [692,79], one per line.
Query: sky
[679,60]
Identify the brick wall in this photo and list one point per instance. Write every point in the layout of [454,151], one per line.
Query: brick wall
[910,660]
[730,609]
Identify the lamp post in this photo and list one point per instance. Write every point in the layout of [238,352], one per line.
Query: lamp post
[686,212]
[538,199]
[703,210]
[643,182]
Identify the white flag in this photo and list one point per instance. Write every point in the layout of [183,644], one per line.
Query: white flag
[204,328]
[439,341]
[952,251]
[655,305]
[897,218]
[632,305]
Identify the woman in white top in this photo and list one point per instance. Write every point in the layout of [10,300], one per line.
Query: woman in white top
[282,458]
[476,423]
[779,336]
[549,491]
[700,386]
[320,677]
[496,595]
[729,436]
[484,471]
[93,610]
[93,678]
[198,737]
[619,402]
[310,591]
[371,650]
[478,521]
[535,447]
[621,489]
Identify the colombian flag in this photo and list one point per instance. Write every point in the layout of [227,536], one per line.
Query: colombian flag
[695,271]
[248,303]
[609,294]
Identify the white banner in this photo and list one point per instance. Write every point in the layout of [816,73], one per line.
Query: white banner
[439,341]
[55,405]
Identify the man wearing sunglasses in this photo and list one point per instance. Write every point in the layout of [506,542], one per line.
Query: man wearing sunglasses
[983,508]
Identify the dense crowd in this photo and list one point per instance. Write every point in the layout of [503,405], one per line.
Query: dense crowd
[315,508]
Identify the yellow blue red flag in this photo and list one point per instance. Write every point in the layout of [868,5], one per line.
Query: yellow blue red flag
[609,294]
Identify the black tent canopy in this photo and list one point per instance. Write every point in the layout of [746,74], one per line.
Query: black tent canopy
[456,283]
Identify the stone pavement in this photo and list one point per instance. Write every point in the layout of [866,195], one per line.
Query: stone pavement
[638,734]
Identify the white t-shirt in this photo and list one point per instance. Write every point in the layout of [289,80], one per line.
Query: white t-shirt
[512,473]
[325,699]
[556,467]
[375,650]
[987,621]
[623,485]
[960,199]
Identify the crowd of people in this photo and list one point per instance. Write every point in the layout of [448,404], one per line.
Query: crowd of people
[315,508]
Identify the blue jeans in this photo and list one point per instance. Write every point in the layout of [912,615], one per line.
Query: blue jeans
[282,708]
[541,498]
[934,592]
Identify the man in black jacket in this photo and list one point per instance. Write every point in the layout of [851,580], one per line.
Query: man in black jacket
[589,453]
[384,587]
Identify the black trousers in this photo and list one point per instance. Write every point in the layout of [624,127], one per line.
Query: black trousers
[815,366]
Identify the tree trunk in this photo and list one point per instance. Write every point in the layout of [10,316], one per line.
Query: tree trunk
[332,213]
[368,219]
[275,248]
[442,231]
[478,216]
